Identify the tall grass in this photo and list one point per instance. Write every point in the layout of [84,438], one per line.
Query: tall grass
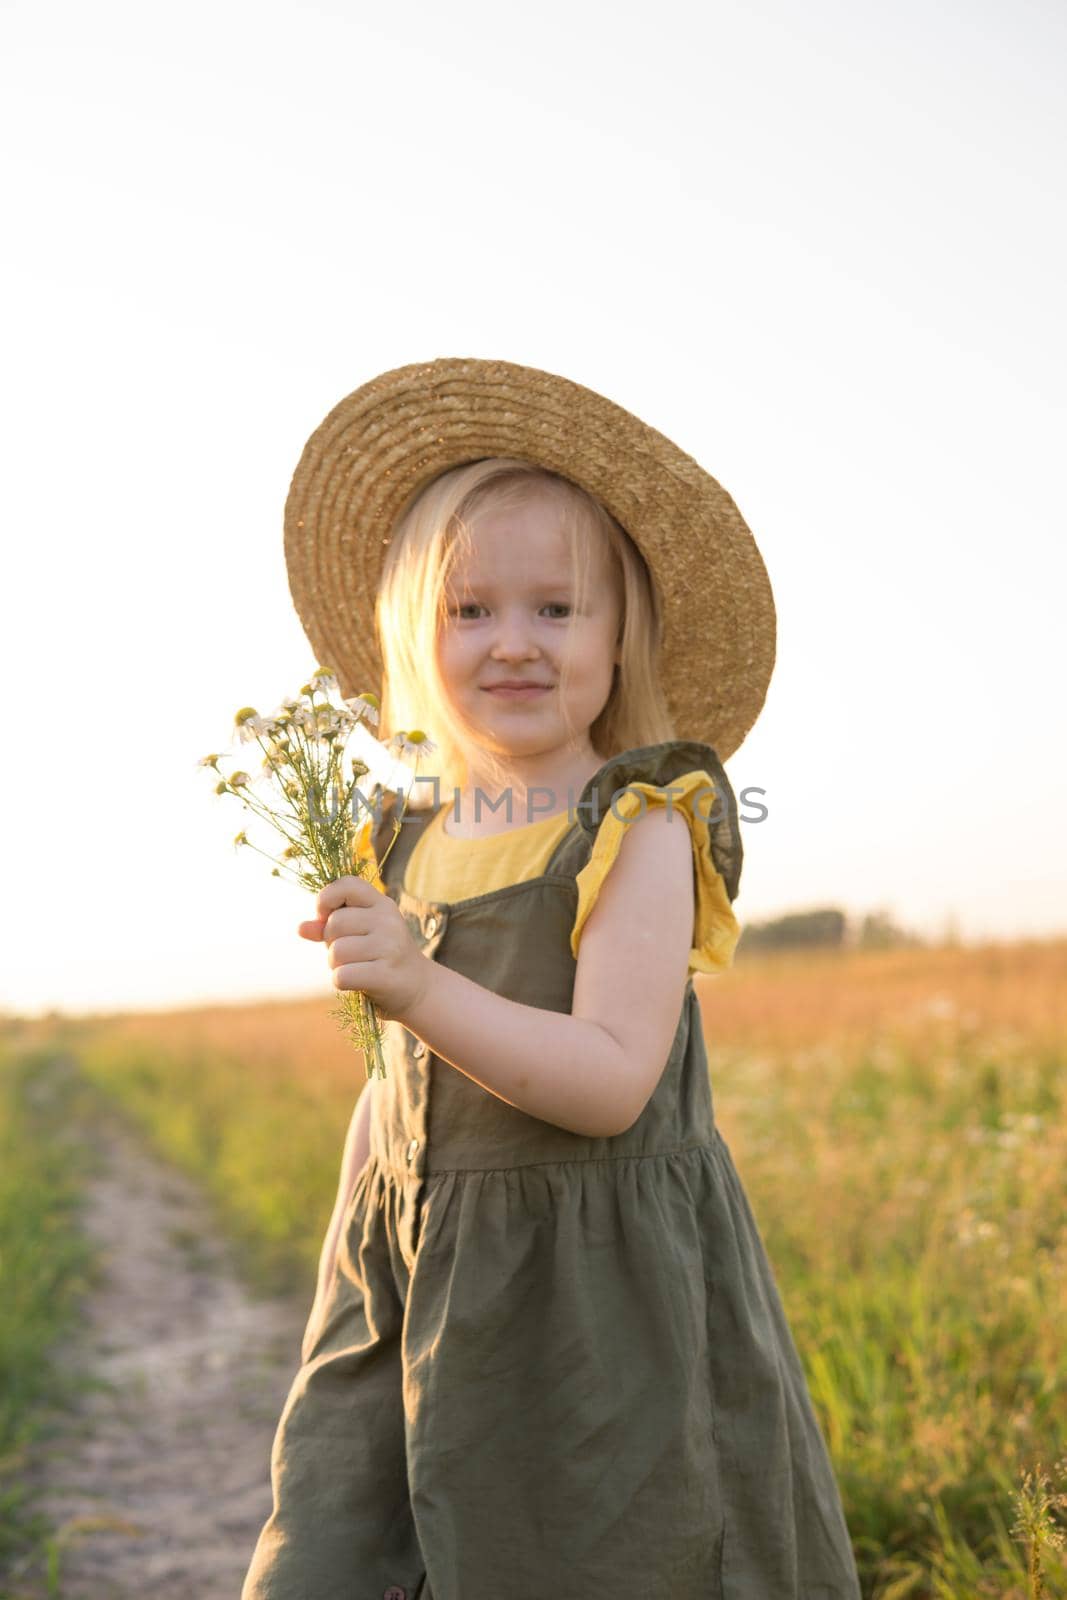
[45,1267]
[898,1119]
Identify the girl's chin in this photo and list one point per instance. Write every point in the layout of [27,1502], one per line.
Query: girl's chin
[505,741]
[515,714]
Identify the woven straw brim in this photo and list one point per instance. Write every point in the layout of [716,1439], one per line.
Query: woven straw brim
[388,439]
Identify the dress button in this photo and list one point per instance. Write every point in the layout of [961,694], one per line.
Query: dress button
[412,1147]
[431,927]
[418,1049]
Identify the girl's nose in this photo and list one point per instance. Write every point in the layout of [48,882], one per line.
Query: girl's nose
[514,640]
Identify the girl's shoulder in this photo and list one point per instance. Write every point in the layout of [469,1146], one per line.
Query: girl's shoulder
[683,772]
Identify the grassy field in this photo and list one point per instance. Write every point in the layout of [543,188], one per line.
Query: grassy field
[898,1120]
[45,1267]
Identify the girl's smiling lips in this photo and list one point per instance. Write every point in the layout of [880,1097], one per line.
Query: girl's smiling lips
[516,688]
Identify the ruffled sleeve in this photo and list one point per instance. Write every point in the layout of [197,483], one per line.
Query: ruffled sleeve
[704,798]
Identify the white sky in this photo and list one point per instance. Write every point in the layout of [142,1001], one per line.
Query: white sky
[820,246]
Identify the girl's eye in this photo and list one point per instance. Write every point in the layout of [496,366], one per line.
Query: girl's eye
[462,611]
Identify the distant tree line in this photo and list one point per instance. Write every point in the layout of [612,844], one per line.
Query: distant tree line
[827,927]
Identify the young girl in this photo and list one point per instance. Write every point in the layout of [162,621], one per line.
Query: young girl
[548,1358]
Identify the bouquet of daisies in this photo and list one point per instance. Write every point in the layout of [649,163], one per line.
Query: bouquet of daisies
[309,793]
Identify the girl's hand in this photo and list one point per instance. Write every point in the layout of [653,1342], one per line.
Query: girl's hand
[370,947]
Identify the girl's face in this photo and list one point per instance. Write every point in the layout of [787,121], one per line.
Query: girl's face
[509,605]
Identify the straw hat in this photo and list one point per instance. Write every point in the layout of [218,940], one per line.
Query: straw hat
[388,439]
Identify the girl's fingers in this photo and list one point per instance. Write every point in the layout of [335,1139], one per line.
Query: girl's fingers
[350,949]
[347,919]
[356,975]
[348,891]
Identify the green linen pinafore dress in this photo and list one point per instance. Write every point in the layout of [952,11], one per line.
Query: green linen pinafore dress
[550,1367]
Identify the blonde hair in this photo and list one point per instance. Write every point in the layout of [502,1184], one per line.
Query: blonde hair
[412,604]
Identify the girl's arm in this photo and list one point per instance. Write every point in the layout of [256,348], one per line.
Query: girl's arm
[593,1071]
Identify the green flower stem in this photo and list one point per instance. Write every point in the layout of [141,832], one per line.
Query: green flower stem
[358,1017]
[289,802]
[276,861]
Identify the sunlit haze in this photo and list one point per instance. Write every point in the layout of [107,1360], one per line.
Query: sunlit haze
[820,247]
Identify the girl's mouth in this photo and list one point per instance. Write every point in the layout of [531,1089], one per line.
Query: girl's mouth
[528,691]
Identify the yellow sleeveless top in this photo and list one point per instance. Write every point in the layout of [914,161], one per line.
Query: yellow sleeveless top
[449,869]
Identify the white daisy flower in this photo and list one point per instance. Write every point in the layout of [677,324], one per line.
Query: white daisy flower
[323,680]
[344,719]
[365,708]
[254,727]
[414,743]
[324,723]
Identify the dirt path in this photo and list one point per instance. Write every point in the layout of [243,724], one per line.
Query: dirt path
[160,1482]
